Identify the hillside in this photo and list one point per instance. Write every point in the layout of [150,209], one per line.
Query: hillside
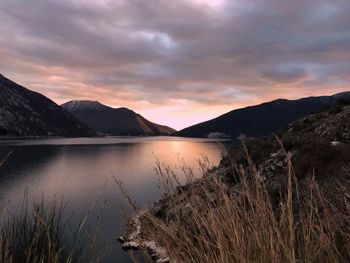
[331,125]
[263,119]
[114,121]
[24,113]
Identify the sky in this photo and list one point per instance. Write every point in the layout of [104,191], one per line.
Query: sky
[176,62]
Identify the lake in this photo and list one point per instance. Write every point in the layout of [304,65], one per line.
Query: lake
[82,171]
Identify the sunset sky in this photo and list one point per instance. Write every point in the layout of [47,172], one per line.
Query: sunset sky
[176,62]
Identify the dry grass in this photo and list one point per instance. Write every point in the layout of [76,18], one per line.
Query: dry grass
[42,233]
[241,223]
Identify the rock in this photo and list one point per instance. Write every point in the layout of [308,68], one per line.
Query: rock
[134,240]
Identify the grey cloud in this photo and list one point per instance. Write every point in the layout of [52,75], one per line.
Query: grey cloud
[176,49]
[285,74]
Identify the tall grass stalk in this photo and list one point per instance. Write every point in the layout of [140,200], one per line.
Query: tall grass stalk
[243,223]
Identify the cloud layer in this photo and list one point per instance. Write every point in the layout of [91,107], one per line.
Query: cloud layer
[176,62]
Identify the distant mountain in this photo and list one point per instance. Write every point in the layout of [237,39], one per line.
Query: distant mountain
[114,121]
[262,119]
[24,113]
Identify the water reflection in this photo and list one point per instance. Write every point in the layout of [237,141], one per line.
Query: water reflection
[82,170]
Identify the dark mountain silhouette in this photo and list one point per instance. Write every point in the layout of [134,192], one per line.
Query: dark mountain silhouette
[24,113]
[114,121]
[262,119]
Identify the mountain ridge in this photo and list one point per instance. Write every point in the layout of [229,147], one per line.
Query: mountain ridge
[262,119]
[114,121]
[26,113]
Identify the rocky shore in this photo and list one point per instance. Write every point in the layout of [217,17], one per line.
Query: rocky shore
[135,240]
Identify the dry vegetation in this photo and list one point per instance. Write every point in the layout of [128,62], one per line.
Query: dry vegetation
[44,233]
[308,222]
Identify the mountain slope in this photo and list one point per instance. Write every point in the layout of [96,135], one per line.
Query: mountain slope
[24,113]
[119,121]
[261,119]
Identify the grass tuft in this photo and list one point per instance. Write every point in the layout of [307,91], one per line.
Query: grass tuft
[43,233]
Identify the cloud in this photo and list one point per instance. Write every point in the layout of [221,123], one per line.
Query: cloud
[212,54]
[285,74]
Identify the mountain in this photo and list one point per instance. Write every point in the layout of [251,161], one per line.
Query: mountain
[24,113]
[114,121]
[263,119]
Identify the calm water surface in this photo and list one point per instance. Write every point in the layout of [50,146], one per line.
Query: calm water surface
[82,171]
